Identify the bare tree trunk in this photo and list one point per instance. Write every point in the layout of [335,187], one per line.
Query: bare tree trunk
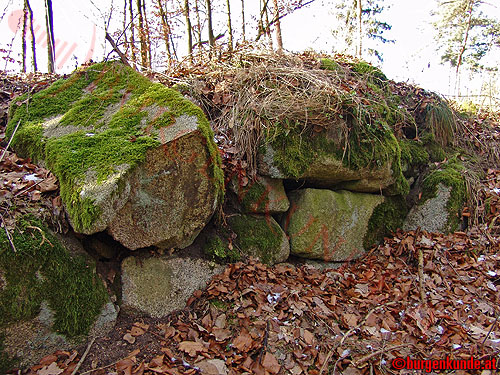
[166,30]
[464,46]
[125,25]
[360,29]
[189,30]
[229,26]
[32,32]
[148,32]
[243,18]
[211,38]
[198,20]
[142,36]
[132,31]
[279,39]
[23,36]
[49,21]
[268,26]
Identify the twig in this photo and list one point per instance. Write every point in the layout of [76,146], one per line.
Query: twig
[380,351]
[9,236]
[28,188]
[83,356]
[123,58]
[421,284]
[264,342]
[10,140]
[491,329]
[43,235]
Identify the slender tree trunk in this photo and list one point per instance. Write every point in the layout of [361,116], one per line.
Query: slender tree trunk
[360,29]
[229,26]
[166,30]
[142,36]
[464,46]
[268,26]
[198,20]
[148,32]
[243,18]
[279,39]
[132,31]
[211,38]
[49,21]
[32,32]
[23,36]
[189,30]
[125,25]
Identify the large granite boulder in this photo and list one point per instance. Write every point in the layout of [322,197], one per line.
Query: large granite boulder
[50,295]
[158,286]
[329,225]
[134,158]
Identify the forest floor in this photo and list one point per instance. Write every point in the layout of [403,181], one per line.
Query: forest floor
[369,316]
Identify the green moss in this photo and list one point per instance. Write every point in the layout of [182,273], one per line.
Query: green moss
[386,218]
[329,64]
[413,153]
[218,249]
[39,271]
[256,236]
[254,198]
[372,72]
[448,174]
[83,100]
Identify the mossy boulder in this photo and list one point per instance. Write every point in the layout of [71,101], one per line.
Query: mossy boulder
[444,193]
[158,286]
[50,297]
[320,159]
[263,195]
[132,157]
[260,237]
[329,225]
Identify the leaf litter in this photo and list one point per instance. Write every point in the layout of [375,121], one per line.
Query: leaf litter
[289,319]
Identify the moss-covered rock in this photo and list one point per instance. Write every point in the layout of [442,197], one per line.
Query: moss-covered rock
[48,295]
[370,164]
[131,156]
[260,237]
[329,225]
[159,285]
[444,194]
[264,195]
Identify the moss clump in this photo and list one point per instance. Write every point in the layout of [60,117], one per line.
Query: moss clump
[257,236]
[255,198]
[387,217]
[83,100]
[448,174]
[218,249]
[42,270]
[413,154]
[329,64]
[372,72]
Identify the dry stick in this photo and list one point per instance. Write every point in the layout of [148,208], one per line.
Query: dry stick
[380,351]
[9,237]
[123,58]
[420,269]
[80,362]
[43,236]
[28,188]
[491,329]
[10,140]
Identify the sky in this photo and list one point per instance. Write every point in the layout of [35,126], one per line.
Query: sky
[79,28]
